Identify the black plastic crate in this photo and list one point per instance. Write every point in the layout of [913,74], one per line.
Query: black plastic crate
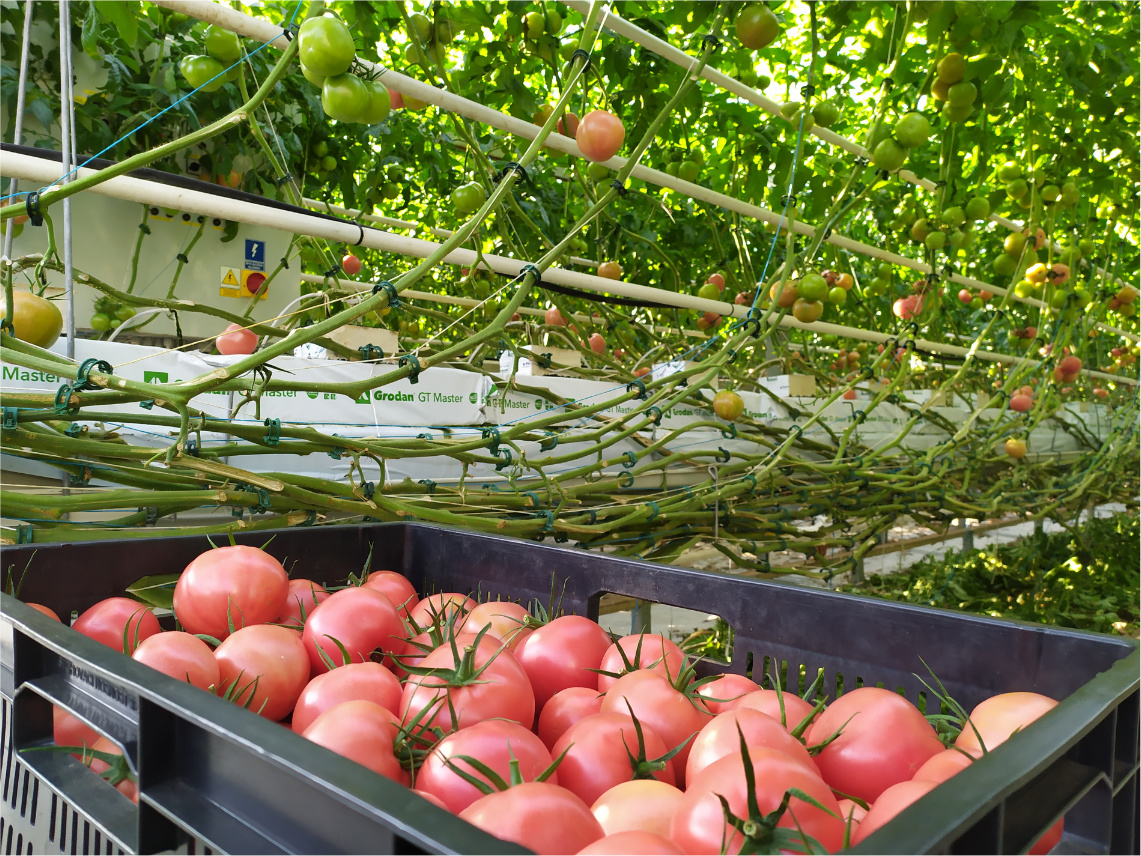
[213,776]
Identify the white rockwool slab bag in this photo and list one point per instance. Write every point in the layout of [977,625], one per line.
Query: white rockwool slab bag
[441,397]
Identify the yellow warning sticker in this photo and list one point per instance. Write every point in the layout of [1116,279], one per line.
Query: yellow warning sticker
[229,278]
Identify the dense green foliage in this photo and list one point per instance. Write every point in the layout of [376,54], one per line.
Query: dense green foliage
[1088,577]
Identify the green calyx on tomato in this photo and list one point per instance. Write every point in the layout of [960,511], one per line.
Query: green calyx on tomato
[345,97]
[222,44]
[202,72]
[326,46]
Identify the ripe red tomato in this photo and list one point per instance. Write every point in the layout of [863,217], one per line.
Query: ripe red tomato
[542,817]
[396,588]
[352,682]
[564,709]
[645,651]
[620,843]
[906,308]
[69,730]
[767,701]
[718,280]
[242,585]
[656,703]
[236,339]
[1021,403]
[1015,447]
[723,693]
[600,135]
[303,597]
[39,607]
[560,654]
[885,740]
[998,717]
[182,656]
[643,804]
[442,605]
[554,318]
[351,265]
[359,618]
[700,826]
[595,759]
[721,737]
[263,668]
[571,128]
[501,690]
[890,803]
[128,787]
[412,651]
[941,766]
[118,622]
[363,732]
[852,811]
[742,298]
[496,744]
[597,343]
[504,620]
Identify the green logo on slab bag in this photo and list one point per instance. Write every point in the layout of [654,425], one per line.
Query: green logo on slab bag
[538,404]
[473,398]
[155,377]
[362,398]
[312,394]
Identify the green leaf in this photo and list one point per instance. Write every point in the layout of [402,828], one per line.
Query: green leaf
[155,590]
[123,15]
[88,37]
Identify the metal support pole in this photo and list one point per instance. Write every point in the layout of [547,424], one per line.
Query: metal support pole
[18,131]
[715,473]
[968,536]
[66,147]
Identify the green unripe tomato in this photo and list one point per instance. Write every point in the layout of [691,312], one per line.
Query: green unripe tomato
[328,163]
[977,303]
[935,240]
[468,198]
[345,97]
[912,130]
[320,149]
[1009,172]
[1004,265]
[422,24]
[1051,192]
[202,72]
[535,23]
[379,103]
[390,190]
[953,216]
[687,170]
[326,46]
[837,295]
[222,44]
[826,114]
[889,155]
[977,208]
[812,286]
[554,22]
[671,169]
[962,94]
[1017,188]
[100,321]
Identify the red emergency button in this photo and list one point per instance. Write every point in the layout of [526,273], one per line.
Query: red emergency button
[254,282]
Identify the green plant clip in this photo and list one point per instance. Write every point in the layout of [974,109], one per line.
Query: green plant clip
[657,411]
[506,462]
[534,498]
[63,400]
[367,352]
[637,386]
[11,417]
[273,432]
[82,377]
[73,430]
[722,455]
[549,525]
[24,533]
[493,434]
[729,433]
[389,289]
[543,361]
[753,479]
[337,451]
[429,484]
[653,509]
[625,479]
[413,367]
[148,404]
[631,460]
[550,443]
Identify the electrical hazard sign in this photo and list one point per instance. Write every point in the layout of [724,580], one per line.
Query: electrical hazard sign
[240,282]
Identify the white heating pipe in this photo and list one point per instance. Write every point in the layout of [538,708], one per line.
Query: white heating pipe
[156,193]
[266,31]
[394,223]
